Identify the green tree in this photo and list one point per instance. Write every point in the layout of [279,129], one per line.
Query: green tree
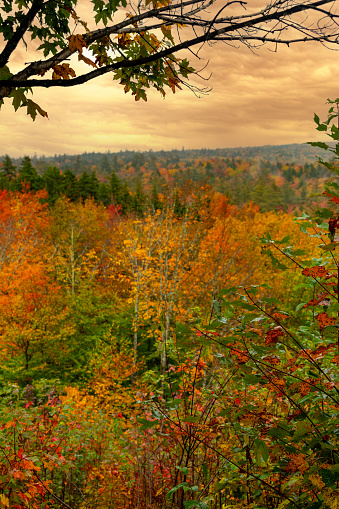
[116,186]
[105,166]
[139,199]
[88,186]
[70,186]
[155,201]
[104,194]
[54,183]
[8,168]
[29,176]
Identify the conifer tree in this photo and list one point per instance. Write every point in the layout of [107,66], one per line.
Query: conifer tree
[53,180]
[105,165]
[29,176]
[70,186]
[8,168]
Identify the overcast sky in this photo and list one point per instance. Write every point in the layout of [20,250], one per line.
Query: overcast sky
[268,98]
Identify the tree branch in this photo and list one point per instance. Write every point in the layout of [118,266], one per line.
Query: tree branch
[251,22]
[18,34]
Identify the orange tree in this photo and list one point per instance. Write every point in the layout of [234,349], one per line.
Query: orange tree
[32,317]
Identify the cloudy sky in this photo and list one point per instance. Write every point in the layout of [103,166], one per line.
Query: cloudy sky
[256,99]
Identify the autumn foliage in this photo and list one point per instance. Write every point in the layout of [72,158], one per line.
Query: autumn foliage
[183,356]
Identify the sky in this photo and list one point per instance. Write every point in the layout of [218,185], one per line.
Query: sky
[267,98]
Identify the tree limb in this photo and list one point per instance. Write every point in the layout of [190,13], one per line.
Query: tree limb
[22,28]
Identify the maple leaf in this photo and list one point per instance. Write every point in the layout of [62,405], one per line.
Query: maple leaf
[124,39]
[33,108]
[63,71]
[316,271]
[277,384]
[76,43]
[273,335]
[324,320]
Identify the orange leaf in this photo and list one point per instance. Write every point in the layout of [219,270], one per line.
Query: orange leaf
[316,271]
[76,43]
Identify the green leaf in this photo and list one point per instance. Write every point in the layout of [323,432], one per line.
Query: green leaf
[319,144]
[271,300]
[285,240]
[191,503]
[147,424]
[217,307]
[261,451]
[328,477]
[325,213]
[176,488]
[328,247]
[316,119]
[184,470]
[253,379]
[333,307]
[227,291]
[5,73]
[277,432]
[191,418]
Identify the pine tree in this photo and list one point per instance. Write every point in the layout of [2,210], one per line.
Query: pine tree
[139,199]
[156,204]
[70,186]
[88,185]
[29,176]
[105,166]
[53,180]
[104,194]
[8,168]
[116,186]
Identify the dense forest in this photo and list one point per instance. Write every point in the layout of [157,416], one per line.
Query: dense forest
[169,330]
[287,178]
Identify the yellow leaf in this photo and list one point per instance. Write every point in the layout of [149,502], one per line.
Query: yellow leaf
[76,43]
[4,500]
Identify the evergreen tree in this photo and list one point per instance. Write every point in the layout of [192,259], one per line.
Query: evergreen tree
[179,208]
[54,183]
[88,186]
[8,168]
[287,195]
[125,198]
[104,194]
[105,166]
[28,175]
[77,164]
[139,199]
[70,186]
[116,186]
[156,204]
